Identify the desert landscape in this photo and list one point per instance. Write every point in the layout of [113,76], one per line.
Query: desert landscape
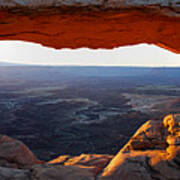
[67,111]
[90,123]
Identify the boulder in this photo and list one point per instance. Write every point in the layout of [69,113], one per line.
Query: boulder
[15,154]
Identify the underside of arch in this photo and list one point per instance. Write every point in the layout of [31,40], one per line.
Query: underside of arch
[93,24]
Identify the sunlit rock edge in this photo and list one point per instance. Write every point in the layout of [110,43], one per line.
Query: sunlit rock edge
[152,153]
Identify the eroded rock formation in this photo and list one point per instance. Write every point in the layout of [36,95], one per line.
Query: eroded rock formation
[152,153]
[15,154]
[92,23]
[95,162]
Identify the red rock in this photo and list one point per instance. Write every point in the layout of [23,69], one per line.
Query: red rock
[59,172]
[95,161]
[152,153]
[93,24]
[14,153]
[140,159]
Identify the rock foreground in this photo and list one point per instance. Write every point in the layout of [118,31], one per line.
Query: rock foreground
[15,154]
[152,153]
[92,23]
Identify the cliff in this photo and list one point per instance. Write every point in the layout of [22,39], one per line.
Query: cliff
[152,153]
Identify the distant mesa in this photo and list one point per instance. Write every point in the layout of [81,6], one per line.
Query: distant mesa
[5,64]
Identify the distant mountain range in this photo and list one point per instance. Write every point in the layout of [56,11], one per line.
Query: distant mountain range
[87,71]
[10,64]
[135,75]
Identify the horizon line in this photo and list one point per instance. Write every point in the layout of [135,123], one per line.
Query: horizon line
[9,64]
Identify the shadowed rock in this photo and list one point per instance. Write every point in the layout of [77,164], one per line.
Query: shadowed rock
[14,174]
[14,153]
[59,172]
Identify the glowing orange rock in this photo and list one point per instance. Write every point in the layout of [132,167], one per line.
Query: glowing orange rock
[94,24]
[96,162]
[152,153]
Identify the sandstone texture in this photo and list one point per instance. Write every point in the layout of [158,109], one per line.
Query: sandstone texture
[152,153]
[92,23]
[14,174]
[59,172]
[47,172]
[17,162]
[15,154]
[96,162]
[115,4]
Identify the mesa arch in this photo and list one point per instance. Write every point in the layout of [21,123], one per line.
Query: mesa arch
[92,23]
[97,24]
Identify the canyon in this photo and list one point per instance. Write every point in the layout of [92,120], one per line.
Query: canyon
[153,152]
[74,123]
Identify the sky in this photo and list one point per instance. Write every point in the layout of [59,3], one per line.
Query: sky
[138,55]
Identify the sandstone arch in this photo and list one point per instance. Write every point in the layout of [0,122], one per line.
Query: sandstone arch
[93,24]
[101,24]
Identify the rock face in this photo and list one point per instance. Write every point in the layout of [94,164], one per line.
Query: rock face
[152,153]
[15,154]
[92,23]
[59,172]
[17,162]
[84,167]
[14,174]
[96,162]
[84,3]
